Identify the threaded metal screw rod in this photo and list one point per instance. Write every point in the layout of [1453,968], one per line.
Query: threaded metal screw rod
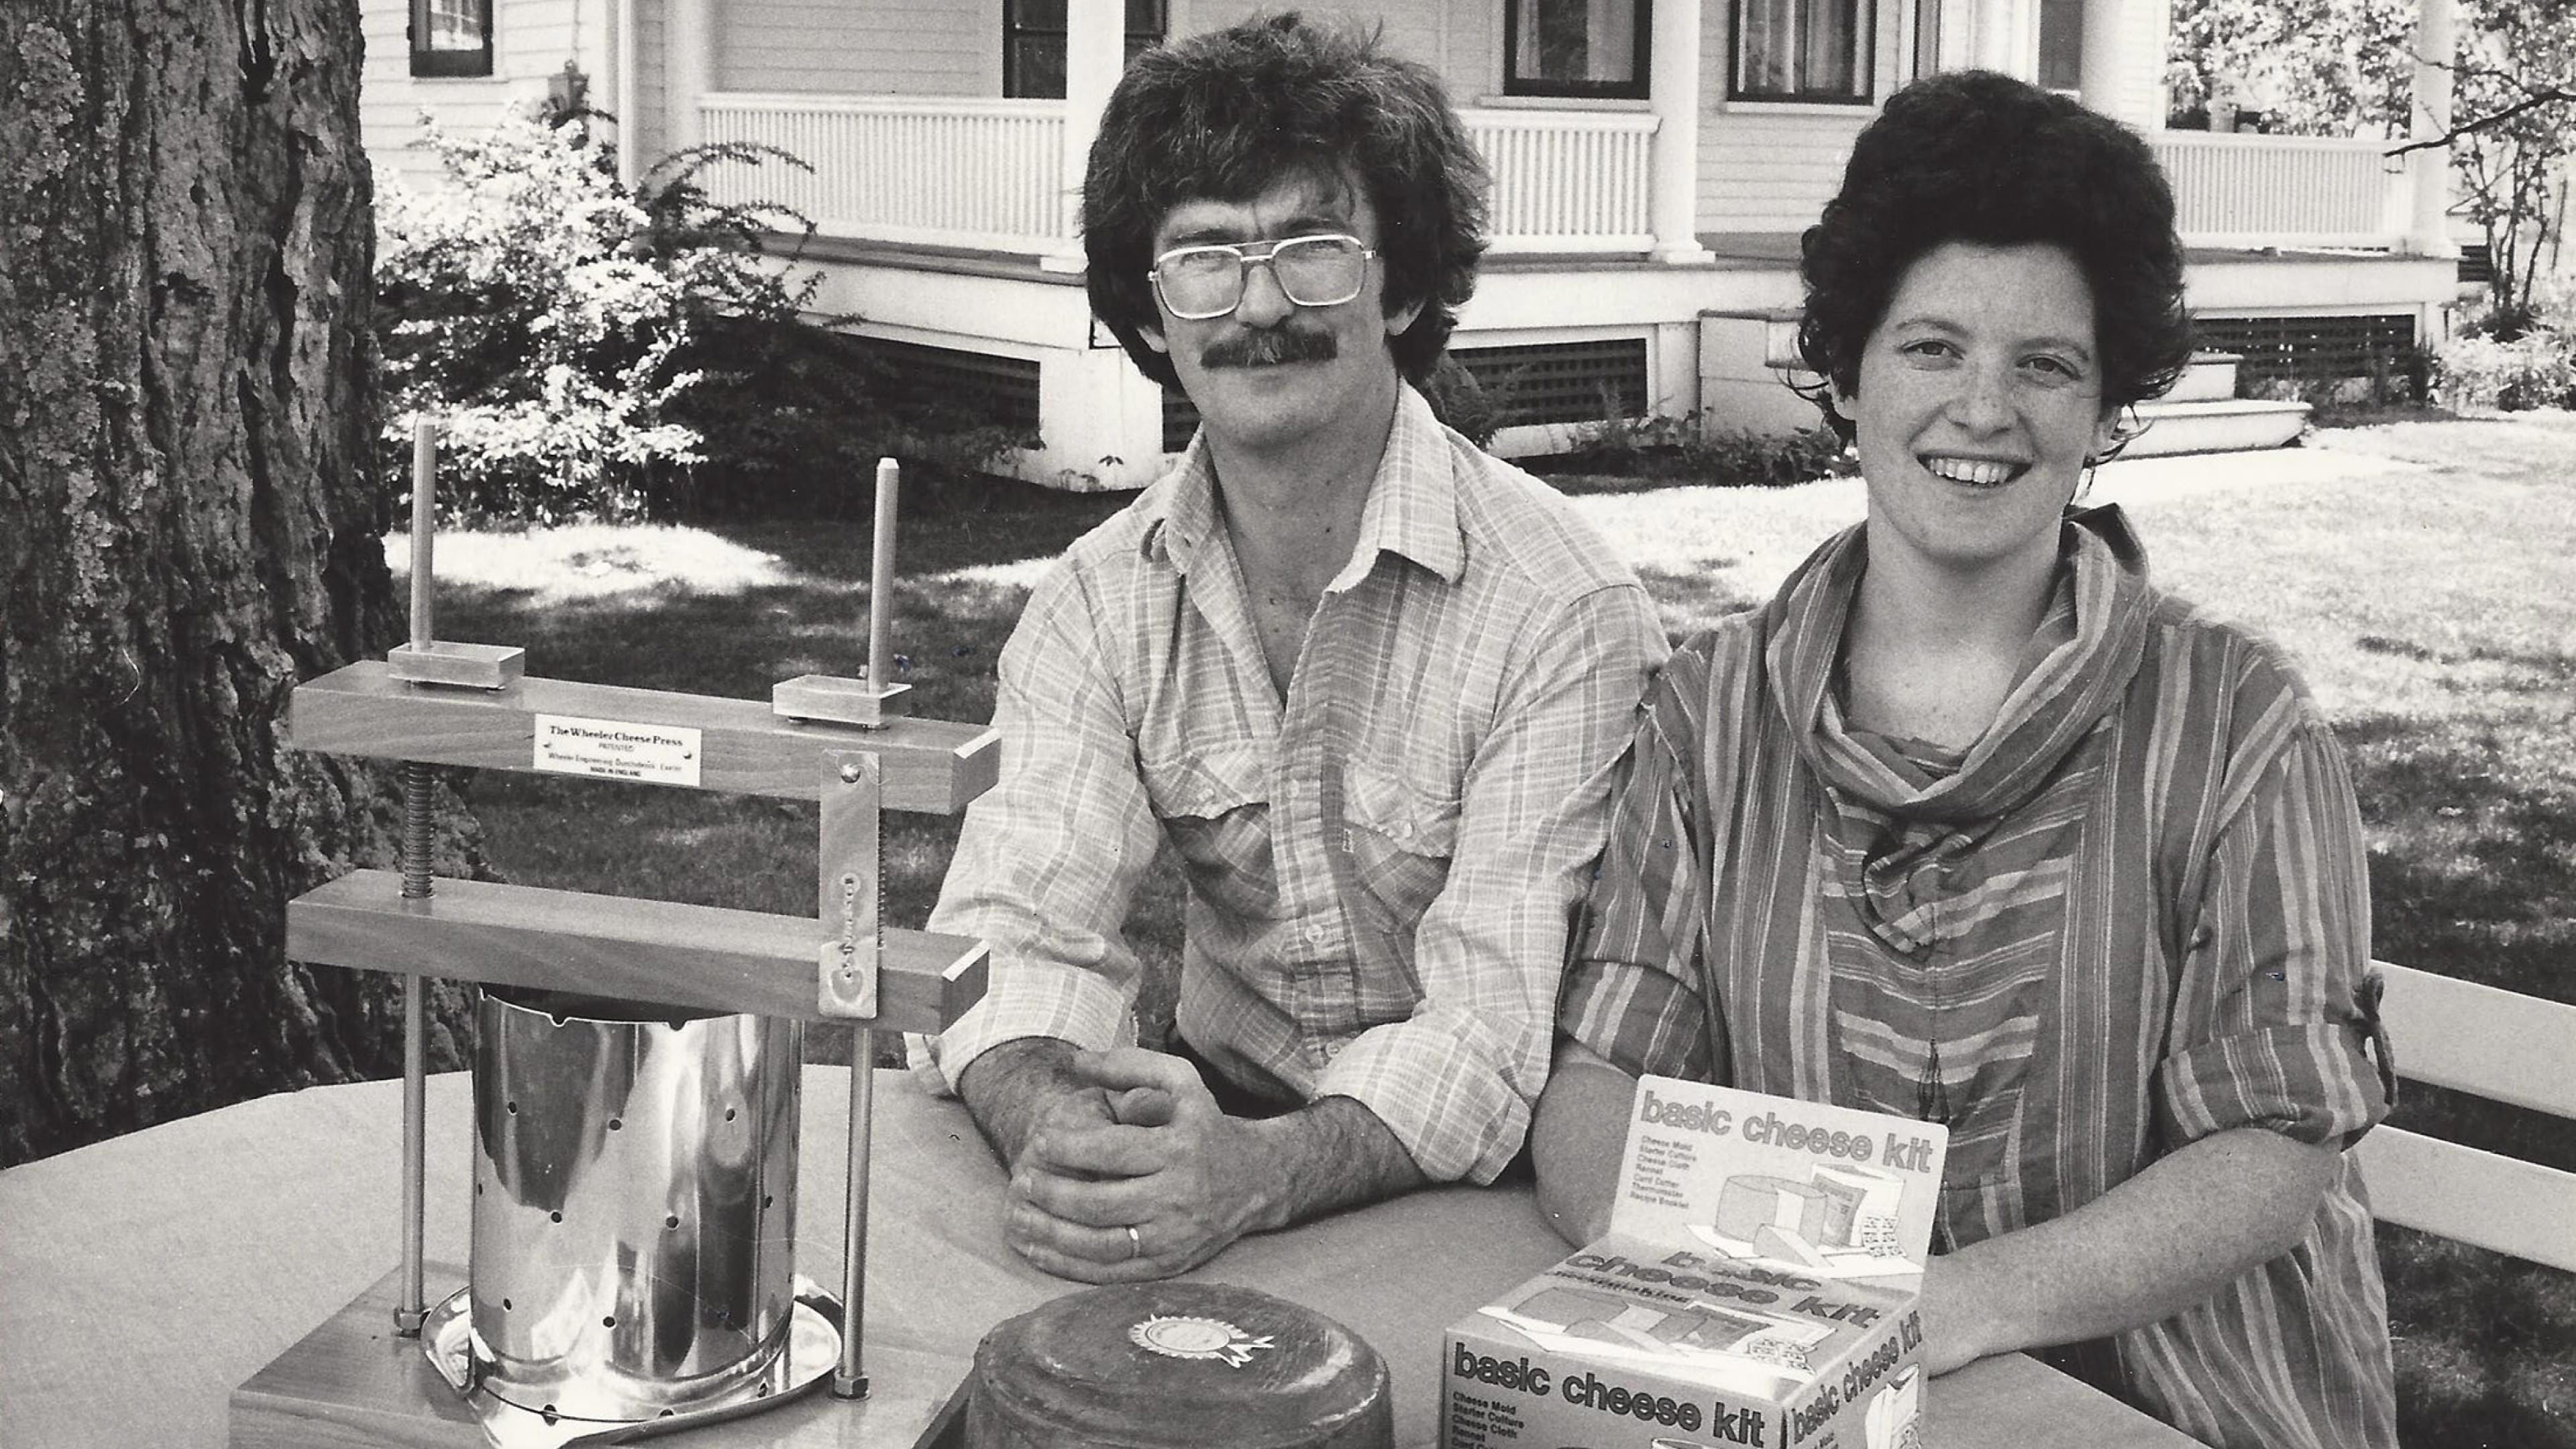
[419,829]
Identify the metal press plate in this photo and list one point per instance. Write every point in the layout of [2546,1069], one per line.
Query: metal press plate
[812,1351]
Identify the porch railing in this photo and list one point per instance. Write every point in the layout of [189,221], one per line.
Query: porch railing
[981,173]
[1568,181]
[934,170]
[2233,190]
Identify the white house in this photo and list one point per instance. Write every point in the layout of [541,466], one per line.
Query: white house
[1654,162]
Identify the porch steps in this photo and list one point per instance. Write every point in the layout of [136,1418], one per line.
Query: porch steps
[2203,414]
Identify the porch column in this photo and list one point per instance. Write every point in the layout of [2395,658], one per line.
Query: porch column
[2429,170]
[2099,71]
[1095,51]
[2003,41]
[688,69]
[1673,82]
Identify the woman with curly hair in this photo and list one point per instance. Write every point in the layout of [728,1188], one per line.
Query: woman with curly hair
[1973,824]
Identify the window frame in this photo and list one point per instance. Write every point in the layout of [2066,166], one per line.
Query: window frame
[1013,84]
[1865,21]
[1514,84]
[428,64]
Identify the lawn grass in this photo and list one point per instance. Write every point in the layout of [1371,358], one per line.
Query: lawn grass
[2423,573]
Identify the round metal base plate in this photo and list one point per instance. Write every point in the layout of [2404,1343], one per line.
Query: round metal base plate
[812,1352]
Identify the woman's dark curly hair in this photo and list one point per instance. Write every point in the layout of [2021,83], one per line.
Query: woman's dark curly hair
[1227,115]
[1973,156]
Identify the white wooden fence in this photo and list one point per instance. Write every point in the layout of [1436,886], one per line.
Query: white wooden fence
[2233,190]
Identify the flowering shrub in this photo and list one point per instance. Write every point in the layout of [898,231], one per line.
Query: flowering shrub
[548,314]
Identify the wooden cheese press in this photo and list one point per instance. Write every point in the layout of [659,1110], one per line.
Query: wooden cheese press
[637,1070]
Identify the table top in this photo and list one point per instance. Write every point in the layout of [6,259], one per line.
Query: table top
[144,1278]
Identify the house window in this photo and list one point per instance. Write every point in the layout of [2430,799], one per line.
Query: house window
[451,37]
[2061,45]
[1033,43]
[1802,50]
[1575,48]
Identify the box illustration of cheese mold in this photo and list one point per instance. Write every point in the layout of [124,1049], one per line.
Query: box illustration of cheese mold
[1757,1286]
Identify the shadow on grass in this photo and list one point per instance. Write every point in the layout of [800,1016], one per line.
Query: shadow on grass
[2473,875]
[759,854]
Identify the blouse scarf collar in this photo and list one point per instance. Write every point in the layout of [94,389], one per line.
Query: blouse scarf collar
[1908,818]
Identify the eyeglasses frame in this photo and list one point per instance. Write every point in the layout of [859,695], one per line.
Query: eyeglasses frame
[1245,261]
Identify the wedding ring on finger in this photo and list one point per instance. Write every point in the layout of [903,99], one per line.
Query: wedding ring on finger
[1135,1243]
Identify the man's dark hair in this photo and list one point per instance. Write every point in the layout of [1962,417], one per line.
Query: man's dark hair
[1227,115]
[1972,156]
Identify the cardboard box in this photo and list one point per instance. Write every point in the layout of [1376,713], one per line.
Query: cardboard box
[1757,1287]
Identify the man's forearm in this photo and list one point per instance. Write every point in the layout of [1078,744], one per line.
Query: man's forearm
[2150,1248]
[1332,1153]
[1009,1090]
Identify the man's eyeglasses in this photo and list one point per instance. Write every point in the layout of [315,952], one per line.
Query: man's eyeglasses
[1199,282]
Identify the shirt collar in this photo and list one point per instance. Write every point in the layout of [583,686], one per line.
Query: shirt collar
[1412,506]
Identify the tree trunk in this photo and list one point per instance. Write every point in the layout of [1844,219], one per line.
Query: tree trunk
[189,523]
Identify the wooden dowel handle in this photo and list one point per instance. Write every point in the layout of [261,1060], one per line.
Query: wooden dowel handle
[424,519]
[881,581]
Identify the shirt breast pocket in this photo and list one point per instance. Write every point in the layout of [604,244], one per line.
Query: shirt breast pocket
[1401,839]
[1214,805]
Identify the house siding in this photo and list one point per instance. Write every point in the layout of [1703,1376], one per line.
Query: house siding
[531,40]
[1418,32]
[883,48]
[1772,167]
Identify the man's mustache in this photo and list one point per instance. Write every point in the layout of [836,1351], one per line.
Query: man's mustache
[1268,346]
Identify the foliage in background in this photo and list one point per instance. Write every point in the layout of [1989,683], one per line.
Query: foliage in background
[2346,68]
[1655,451]
[2311,67]
[2512,358]
[541,310]
[601,352]
[1461,402]
[2514,125]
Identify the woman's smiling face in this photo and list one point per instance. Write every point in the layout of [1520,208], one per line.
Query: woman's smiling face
[1979,399]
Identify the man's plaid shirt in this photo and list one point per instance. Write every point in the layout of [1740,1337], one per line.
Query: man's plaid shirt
[1382,866]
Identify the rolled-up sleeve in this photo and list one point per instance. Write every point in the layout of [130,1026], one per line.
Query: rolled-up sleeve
[1632,989]
[1049,859]
[2272,1017]
[1455,1081]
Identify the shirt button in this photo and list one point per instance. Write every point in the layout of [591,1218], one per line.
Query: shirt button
[1313,931]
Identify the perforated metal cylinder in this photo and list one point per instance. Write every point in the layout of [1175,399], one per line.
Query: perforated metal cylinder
[634,1203]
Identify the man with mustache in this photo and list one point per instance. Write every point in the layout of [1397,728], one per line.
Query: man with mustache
[1366,681]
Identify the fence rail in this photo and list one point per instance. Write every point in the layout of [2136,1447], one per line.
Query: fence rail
[2234,190]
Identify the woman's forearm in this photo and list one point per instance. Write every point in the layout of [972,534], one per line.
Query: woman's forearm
[2146,1250]
[1576,1137]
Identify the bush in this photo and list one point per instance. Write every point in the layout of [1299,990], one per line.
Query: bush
[2536,369]
[1461,402]
[1677,450]
[539,309]
[612,353]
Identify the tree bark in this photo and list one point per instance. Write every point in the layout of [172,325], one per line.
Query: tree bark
[189,523]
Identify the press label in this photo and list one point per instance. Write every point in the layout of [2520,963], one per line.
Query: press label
[613,750]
